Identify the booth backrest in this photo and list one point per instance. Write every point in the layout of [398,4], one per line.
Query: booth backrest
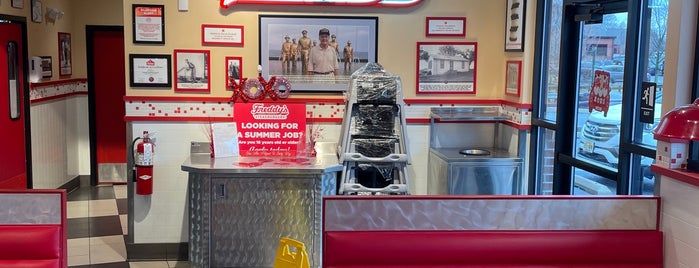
[33,229]
[493,249]
[491,231]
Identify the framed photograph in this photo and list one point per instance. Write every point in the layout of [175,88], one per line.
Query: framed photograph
[234,70]
[223,35]
[445,26]
[513,77]
[287,46]
[37,13]
[148,24]
[192,69]
[514,25]
[46,66]
[150,70]
[18,3]
[65,64]
[446,67]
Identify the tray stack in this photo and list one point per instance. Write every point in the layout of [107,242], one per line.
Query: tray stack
[372,143]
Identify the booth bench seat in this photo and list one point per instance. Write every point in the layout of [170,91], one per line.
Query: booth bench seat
[33,229]
[389,249]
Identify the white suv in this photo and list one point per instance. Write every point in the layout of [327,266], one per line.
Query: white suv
[599,137]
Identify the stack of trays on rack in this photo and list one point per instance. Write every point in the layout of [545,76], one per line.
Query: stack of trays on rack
[372,145]
[375,175]
[376,90]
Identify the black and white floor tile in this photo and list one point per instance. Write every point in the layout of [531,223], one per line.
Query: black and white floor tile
[97,225]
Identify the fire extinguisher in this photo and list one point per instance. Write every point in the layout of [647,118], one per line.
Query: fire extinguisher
[144,165]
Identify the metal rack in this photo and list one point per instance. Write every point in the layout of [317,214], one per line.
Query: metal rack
[372,147]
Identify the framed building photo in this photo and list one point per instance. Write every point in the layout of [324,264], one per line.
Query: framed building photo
[148,24]
[445,26]
[513,77]
[46,66]
[286,49]
[234,70]
[65,64]
[192,69]
[446,67]
[514,21]
[150,70]
[222,35]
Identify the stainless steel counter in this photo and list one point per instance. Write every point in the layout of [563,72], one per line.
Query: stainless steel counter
[203,163]
[451,172]
[240,207]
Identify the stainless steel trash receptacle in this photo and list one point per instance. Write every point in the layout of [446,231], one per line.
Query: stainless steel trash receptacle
[494,173]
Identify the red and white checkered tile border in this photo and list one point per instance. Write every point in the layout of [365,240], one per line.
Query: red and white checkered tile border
[45,91]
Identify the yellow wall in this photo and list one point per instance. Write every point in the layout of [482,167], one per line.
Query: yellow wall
[399,30]
[43,36]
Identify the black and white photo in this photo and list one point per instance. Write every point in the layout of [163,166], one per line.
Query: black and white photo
[192,70]
[446,67]
[234,71]
[65,63]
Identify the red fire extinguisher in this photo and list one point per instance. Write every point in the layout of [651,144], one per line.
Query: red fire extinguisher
[144,165]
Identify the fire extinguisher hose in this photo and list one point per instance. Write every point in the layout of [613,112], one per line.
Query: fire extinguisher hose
[132,159]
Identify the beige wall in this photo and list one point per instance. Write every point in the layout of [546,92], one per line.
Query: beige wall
[399,30]
[43,36]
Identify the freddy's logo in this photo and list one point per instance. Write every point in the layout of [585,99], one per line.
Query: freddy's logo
[274,112]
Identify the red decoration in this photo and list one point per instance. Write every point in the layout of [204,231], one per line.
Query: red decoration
[264,88]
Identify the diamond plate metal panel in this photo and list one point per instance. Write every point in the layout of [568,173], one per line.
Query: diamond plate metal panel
[263,211]
[237,220]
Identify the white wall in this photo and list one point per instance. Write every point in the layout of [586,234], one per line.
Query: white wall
[59,139]
[680,223]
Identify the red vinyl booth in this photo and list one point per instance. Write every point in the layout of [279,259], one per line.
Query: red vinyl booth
[33,229]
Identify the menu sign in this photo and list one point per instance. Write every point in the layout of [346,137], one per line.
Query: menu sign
[599,95]
[377,3]
[270,129]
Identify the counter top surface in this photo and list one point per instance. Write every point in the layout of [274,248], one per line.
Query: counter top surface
[467,114]
[203,163]
[453,155]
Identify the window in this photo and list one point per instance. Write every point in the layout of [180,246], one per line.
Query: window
[586,148]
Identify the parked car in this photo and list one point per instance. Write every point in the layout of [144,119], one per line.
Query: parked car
[584,99]
[599,137]
[616,72]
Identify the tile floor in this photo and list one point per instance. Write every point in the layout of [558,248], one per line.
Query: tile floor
[97,227]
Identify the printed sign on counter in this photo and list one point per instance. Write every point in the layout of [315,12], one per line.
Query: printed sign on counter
[270,129]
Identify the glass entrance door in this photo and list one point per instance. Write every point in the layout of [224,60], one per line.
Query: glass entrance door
[591,134]
[599,90]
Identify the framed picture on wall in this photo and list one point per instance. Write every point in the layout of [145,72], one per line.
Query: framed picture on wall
[353,37]
[222,35]
[37,13]
[514,21]
[65,64]
[192,69]
[445,26]
[18,3]
[46,66]
[446,67]
[150,70]
[513,77]
[234,70]
[148,24]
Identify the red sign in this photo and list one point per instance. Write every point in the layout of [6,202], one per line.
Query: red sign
[270,129]
[599,95]
[373,3]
